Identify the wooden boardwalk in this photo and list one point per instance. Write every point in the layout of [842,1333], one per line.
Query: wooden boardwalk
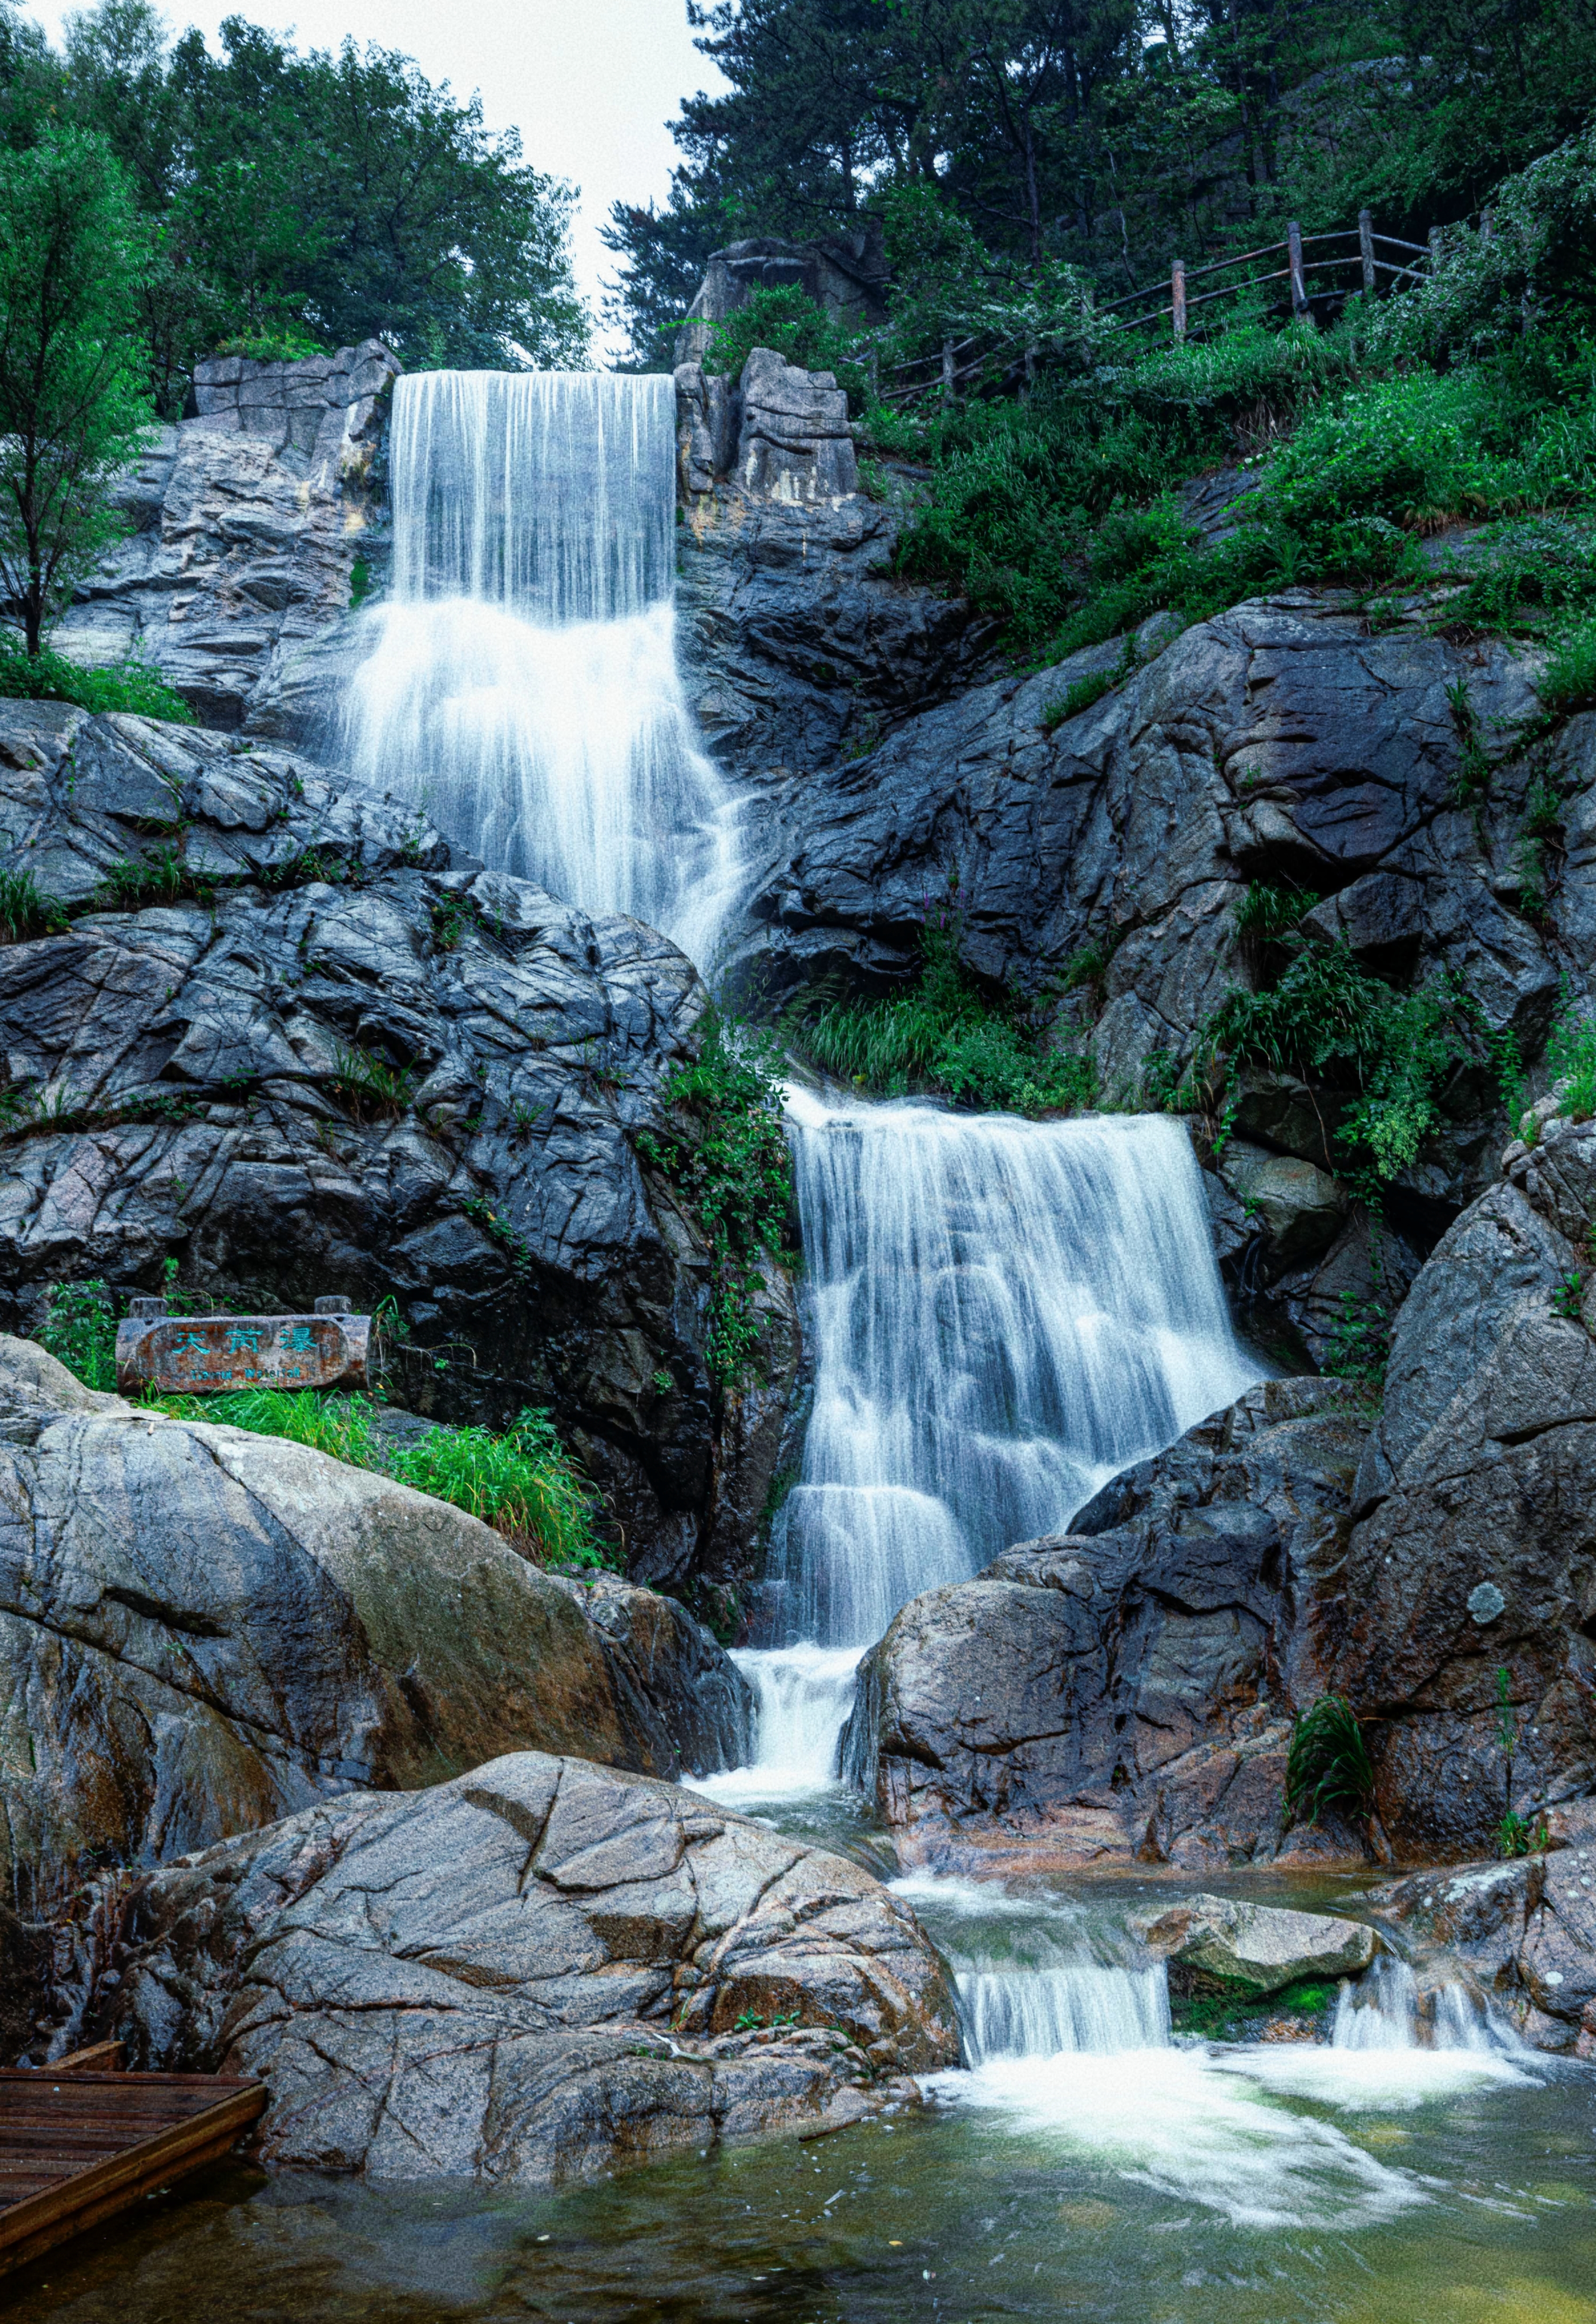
[80,2141]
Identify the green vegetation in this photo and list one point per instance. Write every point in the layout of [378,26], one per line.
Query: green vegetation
[1517,1835]
[133,884]
[25,910]
[728,1161]
[521,1482]
[72,409]
[1079,695]
[80,1331]
[789,321]
[946,1037]
[282,202]
[370,1087]
[133,685]
[1360,1341]
[1328,1764]
[1570,1060]
[1223,2009]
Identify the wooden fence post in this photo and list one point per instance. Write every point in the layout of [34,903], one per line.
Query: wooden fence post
[1366,248]
[1487,223]
[1437,252]
[947,380]
[1177,297]
[1299,289]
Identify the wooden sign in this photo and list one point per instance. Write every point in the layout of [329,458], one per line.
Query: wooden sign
[207,1355]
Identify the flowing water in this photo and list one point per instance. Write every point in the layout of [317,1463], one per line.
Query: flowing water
[1088,2163]
[521,684]
[1002,1314]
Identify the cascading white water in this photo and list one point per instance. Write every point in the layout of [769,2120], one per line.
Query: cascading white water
[522,683]
[1383,2011]
[1082,2010]
[1003,1314]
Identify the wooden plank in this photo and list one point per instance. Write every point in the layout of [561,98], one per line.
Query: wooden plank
[99,2058]
[34,2225]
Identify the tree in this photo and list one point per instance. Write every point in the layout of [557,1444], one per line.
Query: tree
[72,409]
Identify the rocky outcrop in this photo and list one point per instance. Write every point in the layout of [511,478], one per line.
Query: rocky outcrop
[527,1975]
[846,276]
[248,521]
[202,1630]
[781,432]
[798,651]
[1125,1691]
[1526,1929]
[1281,742]
[1260,1949]
[1471,1572]
[284,1042]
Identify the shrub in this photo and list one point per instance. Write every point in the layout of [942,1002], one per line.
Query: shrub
[1571,1059]
[729,1162]
[1569,682]
[945,1039]
[287,342]
[1268,913]
[369,1087]
[161,878]
[1328,1764]
[339,1426]
[1077,697]
[788,320]
[132,686]
[25,910]
[522,1483]
[80,1331]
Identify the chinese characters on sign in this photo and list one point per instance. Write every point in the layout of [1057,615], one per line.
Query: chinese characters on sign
[201,1355]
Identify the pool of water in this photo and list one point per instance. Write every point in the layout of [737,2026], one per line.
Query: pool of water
[1128,2176]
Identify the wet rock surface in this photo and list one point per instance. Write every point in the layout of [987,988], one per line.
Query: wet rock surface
[1124,1691]
[321,1058]
[247,524]
[532,1974]
[1279,742]
[1470,1571]
[1260,1949]
[202,1630]
[1525,1929]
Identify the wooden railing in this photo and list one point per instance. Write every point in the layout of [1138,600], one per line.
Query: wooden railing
[1000,362]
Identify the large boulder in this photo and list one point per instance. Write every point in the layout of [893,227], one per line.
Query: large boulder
[247,523]
[312,1056]
[1124,1691]
[1464,1620]
[203,1631]
[1260,1949]
[526,1976]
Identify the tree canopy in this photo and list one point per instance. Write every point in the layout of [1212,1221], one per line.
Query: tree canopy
[1108,134]
[289,200]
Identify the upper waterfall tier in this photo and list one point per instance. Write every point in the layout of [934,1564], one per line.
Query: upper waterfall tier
[550,493]
[1003,1314]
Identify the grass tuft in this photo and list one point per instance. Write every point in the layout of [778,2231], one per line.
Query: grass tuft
[26,910]
[1328,1764]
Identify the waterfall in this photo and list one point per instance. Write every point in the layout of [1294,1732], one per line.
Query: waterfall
[1384,2011]
[1083,2009]
[1003,1314]
[521,685]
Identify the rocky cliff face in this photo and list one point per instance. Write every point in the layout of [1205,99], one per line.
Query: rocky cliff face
[285,1043]
[248,521]
[1282,743]
[203,1631]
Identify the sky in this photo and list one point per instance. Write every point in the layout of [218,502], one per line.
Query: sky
[590,84]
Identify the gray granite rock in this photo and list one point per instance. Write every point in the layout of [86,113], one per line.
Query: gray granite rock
[202,1630]
[186,1081]
[528,1976]
[1278,742]
[1471,1567]
[1125,1691]
[248,521]
[1261,1948]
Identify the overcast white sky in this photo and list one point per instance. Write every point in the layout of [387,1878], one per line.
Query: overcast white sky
[590,84]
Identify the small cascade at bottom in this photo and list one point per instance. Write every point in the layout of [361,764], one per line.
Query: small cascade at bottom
[1385,2011]
[1083,2008]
